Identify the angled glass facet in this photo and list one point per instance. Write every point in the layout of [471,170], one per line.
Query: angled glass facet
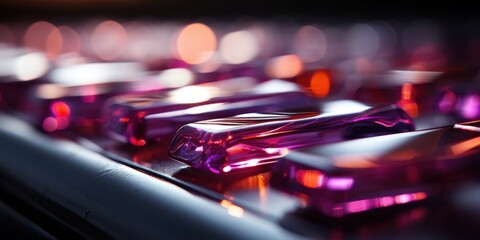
[250,140]
[360,175]
[137,119]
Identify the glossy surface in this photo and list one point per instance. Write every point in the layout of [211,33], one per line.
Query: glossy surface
[137,119]
[365,174]
[250,140]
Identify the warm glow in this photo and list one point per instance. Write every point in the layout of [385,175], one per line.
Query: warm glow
[407,91]
[239,47]
[310,178]
[232,209]
[465,146]
[137,142]
[357,160]
[286,66]
[410,107]
[227,169]
[176,77]
[54,43]
[36,36]
[51,91]
[71,40]
[320,84]
[192,94]
[31,66]
[407,102]
[310,44]
[109,40]
[196,43]
[60,109]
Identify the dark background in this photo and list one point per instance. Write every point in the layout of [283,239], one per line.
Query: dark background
[338,10]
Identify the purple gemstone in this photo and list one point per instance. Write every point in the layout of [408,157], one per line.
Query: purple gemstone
[359,175]
[137,119]
[250,140]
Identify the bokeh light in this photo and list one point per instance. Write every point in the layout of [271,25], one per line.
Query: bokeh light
[109,40]
[196,43]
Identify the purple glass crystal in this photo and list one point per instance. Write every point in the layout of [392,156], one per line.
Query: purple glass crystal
[250,140]
[137,119]
[359,175]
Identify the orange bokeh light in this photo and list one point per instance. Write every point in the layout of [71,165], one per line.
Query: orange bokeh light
[286,66]
[407,103]
[196,43]
[320,84]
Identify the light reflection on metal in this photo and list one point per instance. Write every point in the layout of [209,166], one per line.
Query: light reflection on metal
[465,146]
[232,209]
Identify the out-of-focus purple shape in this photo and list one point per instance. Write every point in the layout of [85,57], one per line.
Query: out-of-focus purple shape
[364,174]
[249,140]
[20,69]
[73,95]
[137,119]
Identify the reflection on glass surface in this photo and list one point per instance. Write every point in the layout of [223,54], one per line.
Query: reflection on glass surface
[137,119]
[364,174]
[251,140]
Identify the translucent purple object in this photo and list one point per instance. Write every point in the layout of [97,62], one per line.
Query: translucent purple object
[247,141]
[73,95]
[364,174]
[137,119]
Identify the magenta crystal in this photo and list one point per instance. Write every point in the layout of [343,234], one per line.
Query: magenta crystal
[359,175]
[137,119]
[250,140]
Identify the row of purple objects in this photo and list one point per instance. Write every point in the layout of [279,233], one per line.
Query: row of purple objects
[242,123]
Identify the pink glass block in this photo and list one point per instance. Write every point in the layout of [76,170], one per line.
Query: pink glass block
[137,119]
[355,176]
[249,140]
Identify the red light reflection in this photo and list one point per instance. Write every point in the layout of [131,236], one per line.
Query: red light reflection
[60,109]
[310,178]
